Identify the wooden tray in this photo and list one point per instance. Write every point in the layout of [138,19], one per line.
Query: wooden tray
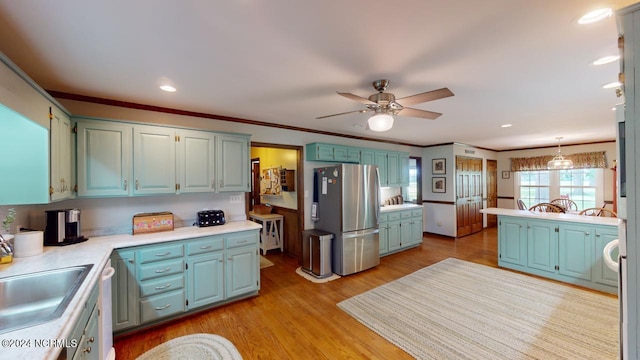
[145,223]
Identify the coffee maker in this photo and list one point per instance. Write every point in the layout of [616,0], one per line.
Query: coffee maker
[63,227]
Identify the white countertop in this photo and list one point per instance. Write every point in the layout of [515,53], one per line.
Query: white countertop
[96,251]
[595,220]
[388,208]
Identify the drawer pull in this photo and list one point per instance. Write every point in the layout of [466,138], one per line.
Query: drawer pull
[242,241]
[163,307]
[163,287]
[165,254]
[162,271]
[205,247]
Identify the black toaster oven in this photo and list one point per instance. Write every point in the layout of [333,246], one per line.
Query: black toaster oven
[210,218]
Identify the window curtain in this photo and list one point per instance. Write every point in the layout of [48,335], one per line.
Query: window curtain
[580,161]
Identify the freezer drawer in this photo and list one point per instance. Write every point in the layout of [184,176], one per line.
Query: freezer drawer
[316,253]
[356,251]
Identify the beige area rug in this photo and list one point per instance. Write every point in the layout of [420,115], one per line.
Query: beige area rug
[196,347]
[264,262]
[315,279]
[460,310]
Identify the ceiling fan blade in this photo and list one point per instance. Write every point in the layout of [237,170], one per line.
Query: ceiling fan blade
[344,113]
[418,113]
[357,98]
[424,97]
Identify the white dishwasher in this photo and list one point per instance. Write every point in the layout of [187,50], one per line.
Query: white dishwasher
[107,352]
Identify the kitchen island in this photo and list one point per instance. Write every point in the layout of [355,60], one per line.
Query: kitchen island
[564,247]
[26,343]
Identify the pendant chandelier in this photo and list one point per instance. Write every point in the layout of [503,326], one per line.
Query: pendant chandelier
[559,162]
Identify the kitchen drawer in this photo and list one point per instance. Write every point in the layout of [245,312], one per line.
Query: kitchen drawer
[163,252]
[395,215]
[163,268]
[405,214]
[242,239]
[160,285]
[204,245]
[416,213]
[163,305]
[383,218]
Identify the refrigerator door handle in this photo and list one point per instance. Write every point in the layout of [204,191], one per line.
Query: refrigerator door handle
[360,233]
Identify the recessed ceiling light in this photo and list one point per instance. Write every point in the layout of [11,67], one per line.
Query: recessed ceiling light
[168,88]
[595,15]
[612,85]
[506,125]
[606,59]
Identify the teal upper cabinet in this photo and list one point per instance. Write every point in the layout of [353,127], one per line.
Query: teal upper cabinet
[25,161]
[403,161]
[154,160]
[104,154]
[233,165]
[331,152]
[196,154]
[366,157]
[380,160]
[60,182]
[393,169]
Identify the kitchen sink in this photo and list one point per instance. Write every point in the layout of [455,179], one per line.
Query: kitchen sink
[36,298]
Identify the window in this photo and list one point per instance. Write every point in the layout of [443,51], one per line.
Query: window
[584,186]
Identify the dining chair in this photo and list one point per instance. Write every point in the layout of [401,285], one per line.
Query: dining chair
[547,207]
[567,204]
[598,212]
[521,205]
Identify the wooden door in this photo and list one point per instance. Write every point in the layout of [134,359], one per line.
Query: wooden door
[255,183]
[492,190]
[468,195]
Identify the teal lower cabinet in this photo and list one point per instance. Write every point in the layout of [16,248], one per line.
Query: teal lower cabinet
[153,283]
[400,230]
[512,243]
[85,332]
[542,243]
[562,250]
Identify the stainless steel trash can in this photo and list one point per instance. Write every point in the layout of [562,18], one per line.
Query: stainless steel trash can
[316,253]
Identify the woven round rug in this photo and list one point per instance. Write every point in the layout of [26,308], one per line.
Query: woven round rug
[196,346]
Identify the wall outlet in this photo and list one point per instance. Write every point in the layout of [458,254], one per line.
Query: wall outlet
[235,199]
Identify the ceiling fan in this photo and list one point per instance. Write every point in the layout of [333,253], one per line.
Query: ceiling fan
[385,105]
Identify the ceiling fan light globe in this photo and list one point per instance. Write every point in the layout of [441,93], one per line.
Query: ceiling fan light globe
[380,122]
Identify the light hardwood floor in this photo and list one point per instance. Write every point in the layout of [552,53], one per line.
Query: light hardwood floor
[293,318]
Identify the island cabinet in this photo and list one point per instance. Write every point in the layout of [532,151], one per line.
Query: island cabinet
[157,282]
[400,230]
[562,250]
[128,159]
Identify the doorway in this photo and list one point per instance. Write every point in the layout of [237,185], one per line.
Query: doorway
[468,195]
[290,201]
[492,190]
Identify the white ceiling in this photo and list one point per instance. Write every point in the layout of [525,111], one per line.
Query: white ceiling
[523,62]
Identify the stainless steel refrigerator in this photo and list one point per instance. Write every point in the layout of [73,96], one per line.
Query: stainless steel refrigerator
[348,197]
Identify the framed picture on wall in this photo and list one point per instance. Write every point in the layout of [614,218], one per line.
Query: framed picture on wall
[439,166]
[439,185]
[506,174]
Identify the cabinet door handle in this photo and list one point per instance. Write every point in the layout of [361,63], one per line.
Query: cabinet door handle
[131,261]
[163,270]
[165,254]
[137,184]
[205,247]
[87,349]
[163,307]
[213,183]
[598,235]
[125,184]
[221,183]
[587,233]
[163,287]
[91,339]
